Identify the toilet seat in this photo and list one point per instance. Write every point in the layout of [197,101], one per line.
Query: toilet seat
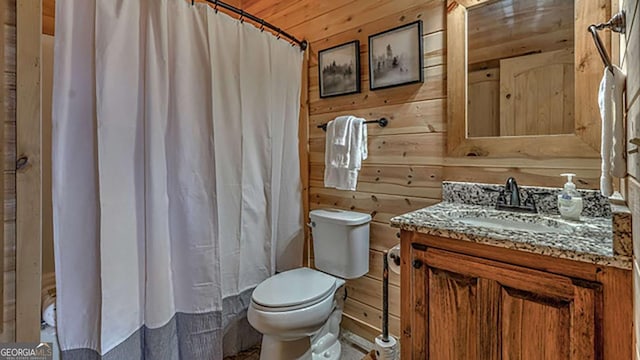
[293,289]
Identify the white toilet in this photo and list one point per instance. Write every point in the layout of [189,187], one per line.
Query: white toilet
[298,311]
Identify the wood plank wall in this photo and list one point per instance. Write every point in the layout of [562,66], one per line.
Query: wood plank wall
[7,332]
[407,160]
[630,59]
[29,174]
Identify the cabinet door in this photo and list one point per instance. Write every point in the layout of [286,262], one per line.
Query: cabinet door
[470,308]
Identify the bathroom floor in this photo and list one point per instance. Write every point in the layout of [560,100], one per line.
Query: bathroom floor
[48,334]
[251,354]
[350,351]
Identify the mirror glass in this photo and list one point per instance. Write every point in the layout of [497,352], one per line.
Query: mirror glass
[520,63]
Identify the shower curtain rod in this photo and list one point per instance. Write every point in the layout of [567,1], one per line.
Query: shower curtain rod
[263,24]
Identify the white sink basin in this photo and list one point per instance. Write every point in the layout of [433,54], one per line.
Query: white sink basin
[499,220]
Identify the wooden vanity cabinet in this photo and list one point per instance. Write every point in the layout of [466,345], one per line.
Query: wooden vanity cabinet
[462,300]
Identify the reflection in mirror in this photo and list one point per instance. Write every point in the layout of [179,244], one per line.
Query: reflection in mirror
[520,68]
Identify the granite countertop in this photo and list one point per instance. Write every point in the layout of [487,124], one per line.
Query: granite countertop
[589,240]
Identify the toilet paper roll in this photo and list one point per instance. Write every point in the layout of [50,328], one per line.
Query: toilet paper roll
[393,258]
[49,310]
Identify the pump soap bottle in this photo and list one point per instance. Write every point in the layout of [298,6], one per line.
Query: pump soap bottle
[569,200]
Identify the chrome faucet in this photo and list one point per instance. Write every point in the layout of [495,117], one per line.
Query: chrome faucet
[512,193]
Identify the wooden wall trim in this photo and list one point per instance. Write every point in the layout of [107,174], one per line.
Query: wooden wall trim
[585,143]
[3,118]
[457,80]
[303,151]
[629,57]
[48,17]
[28,176]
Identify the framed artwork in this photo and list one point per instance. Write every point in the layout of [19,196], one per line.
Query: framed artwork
[395,56]
[339,69]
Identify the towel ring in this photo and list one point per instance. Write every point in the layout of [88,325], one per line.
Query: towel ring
[617,23]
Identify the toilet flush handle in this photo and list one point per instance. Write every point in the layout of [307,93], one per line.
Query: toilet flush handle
[311,224]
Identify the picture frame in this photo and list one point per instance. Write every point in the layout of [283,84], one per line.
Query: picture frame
[396,56]
[339,70]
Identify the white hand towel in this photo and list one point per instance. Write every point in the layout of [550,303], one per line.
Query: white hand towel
[343,162]
[613,144]
[358,149]
[342,129]
[618,157]
[338,141]
[363,139]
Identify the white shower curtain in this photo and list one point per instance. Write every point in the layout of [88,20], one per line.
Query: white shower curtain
[176,181]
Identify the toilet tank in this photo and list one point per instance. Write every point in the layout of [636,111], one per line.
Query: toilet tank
[341,242]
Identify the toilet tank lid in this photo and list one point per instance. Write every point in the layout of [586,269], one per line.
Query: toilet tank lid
[342,217]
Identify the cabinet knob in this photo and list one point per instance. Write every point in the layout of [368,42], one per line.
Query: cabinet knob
[417,264]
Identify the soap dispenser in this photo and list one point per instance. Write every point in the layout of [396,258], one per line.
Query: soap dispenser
[569,200]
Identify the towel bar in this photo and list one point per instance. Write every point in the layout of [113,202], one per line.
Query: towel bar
[382,122]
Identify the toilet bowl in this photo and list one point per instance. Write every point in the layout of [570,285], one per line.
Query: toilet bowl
[292,309]
[298,311]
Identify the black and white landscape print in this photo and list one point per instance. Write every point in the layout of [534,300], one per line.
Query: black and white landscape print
[339,70]
[395,56]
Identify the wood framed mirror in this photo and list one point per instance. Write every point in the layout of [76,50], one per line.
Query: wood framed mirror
[523,78]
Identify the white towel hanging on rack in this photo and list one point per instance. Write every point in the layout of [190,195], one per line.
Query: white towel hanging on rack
[613,146]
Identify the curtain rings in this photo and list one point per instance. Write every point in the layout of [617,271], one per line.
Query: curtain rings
[279,33]
[241,16]
[215,6]
[262,25]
